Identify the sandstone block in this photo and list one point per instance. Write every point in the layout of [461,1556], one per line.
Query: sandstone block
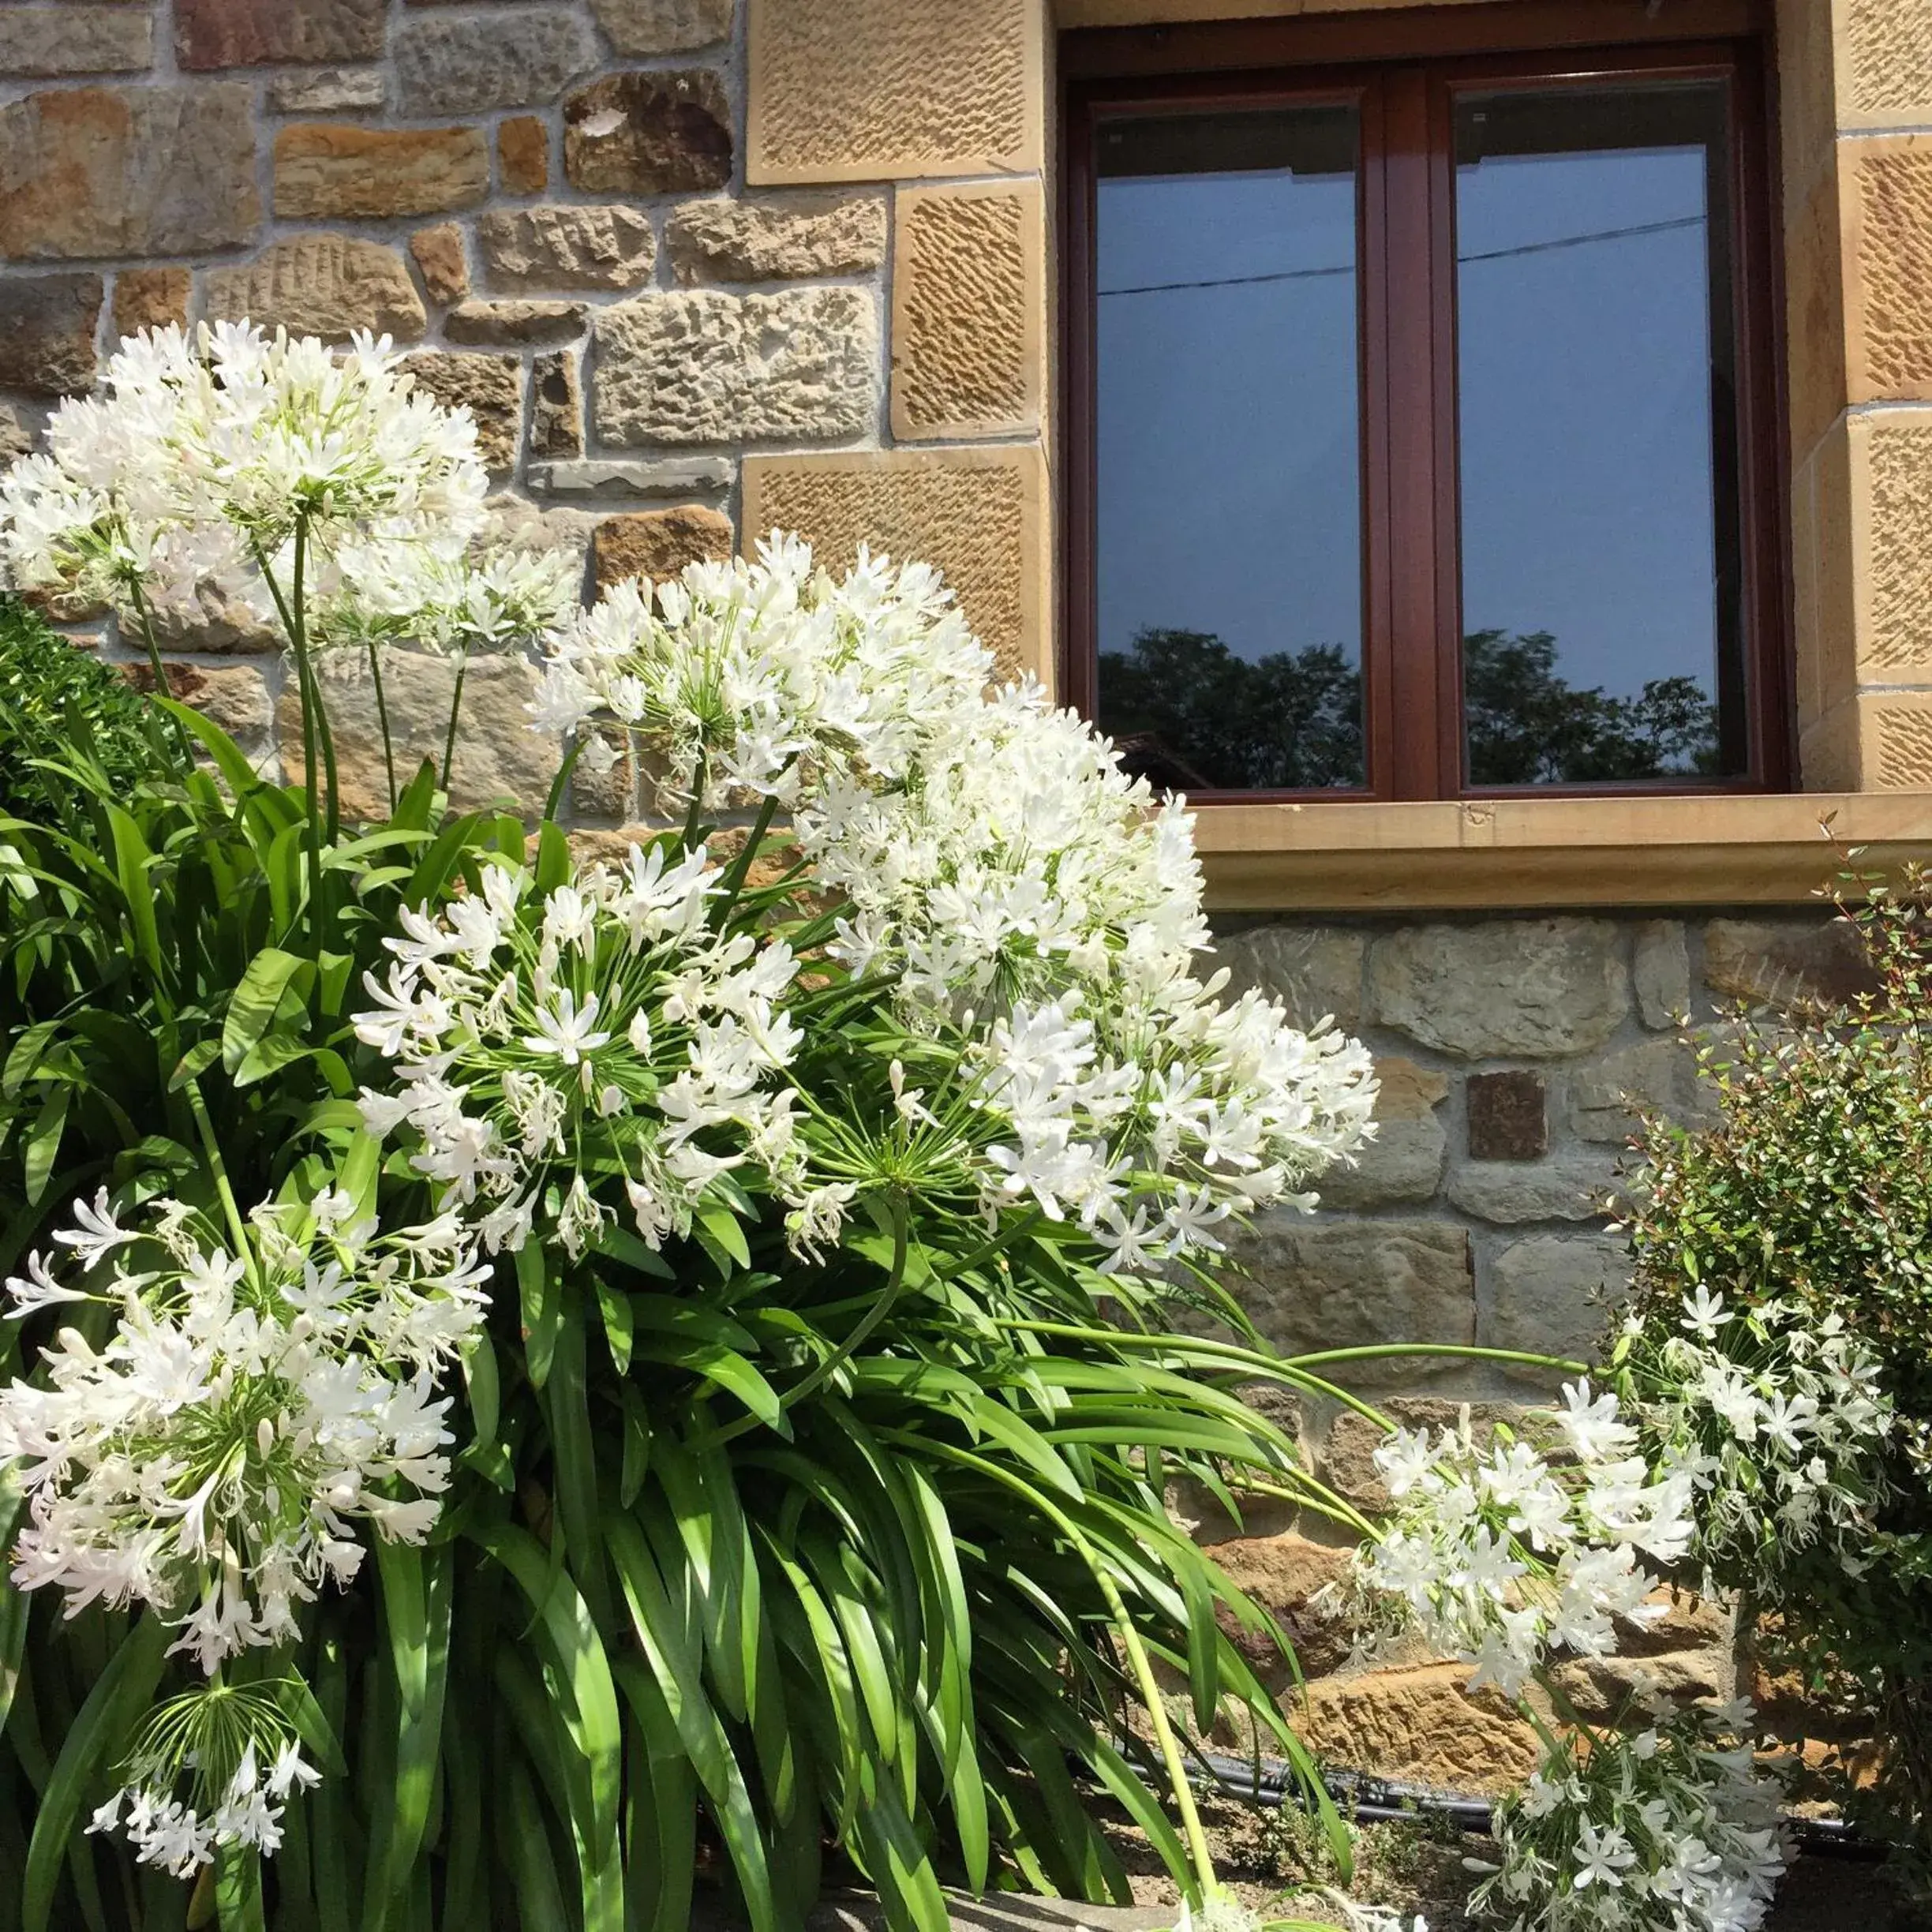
[567,245]
[556,406]
[601,790]
[443,262]
[1316,971]
[702,366]
[1508,1116]
[1787,962]
[778,236]
[869,90]
[1814,301]
[1316,1285]
[1888,462]
[523,154]
[1281,1573]
[519,525]
[17,439]
[1534,989]
[331,171]
[1415,1723]
[975,514]
[490,387]
[648,133]
[1404,1162]
[336,90]
[248,33]
[166,169]
[969,309]
[1886,49]
[1555,1294]
[514,59]
[234,698]
[1656,1076]
[657,543]
[678,476]
[1347,1460]
[1888,304]
[213,624]
[149,298]
[516,324]
[646,27]
[1508,1192]
[1661,974]
[325,285]
[1688,1653]
[46,333]
[498,758]
[75,40]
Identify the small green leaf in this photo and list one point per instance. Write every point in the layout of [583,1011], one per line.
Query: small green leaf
[252,1006]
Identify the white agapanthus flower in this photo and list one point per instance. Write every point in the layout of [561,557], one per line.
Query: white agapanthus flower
[250,1414]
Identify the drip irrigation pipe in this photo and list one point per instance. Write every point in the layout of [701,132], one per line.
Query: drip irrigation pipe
[1383,1801]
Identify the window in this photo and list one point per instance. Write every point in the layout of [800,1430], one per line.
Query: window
[1421,428]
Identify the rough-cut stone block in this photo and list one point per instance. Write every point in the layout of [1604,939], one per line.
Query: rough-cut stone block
[1574,1189]
[675,476]
[443,262]
[1889,305]
[91,172]
[490,387]
[74,40]
[519,525]
[336,90]
[1688,1654]
[975,514]
[1533,988]
[1555,1294]
[328,171]
[498,758]
[1345,1284]
[17,439]
[516,324]
[214,621]
[866,89]
[1347,1460]
[1787,962]
[325,285]
[149,298]
[1660,977]
[565,245]
[1416,1723]
[646,27]
[523,154]
[232,697]
[658,544]
[1886,50]
[1316,971]
[1403,1163]
[648,133]
[556,406]
[969,305]
[46,333]
[779,236]
[702,366]
[248,33]
[522,58]
[1282,1572]
[1656,1076]
[1508,1116]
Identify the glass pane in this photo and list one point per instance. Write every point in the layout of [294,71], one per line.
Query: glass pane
[1229,520]
[1602,610]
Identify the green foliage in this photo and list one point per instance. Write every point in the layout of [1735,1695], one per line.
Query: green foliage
[1811,1190]
[54,696]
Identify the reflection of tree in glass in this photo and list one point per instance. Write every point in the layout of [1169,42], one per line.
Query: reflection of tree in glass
[1192,716]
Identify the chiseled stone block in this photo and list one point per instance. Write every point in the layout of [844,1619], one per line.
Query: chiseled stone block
[443,262]
[520,324]
[977,514]
[564,245]
[523,154]
[1316,971]
[1787,961]
[648,133]
[94,172]
[868,90]
[556,405]
[325,285]
[522,57]
[703,366]
[149,298]
[1888,180]
[1661,973]
[46,333]
[777,236]
[248,33]
[647,27]
[490,386]
[1888,460]
[1555,1294]
[969,311]
[75,40]
[1885,57]
[1403,1163]
[335,90]
[331,171]
[657,543]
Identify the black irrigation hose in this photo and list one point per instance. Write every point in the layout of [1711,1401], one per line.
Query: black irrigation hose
[1384,1801]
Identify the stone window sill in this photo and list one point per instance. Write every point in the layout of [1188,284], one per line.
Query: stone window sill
[1507,853]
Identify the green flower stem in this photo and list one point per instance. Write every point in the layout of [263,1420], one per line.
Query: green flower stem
[556,798]
[739,869]
[449,741]
[1384,1351]
[211,1147]
[382,718]
[138,598]
[314,724]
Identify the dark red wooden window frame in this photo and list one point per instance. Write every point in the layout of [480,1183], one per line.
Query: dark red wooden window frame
[1403,68]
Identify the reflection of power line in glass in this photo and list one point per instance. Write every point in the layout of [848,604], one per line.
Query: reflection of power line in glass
[1526,248]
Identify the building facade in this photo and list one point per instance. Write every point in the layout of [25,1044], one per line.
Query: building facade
[705,267]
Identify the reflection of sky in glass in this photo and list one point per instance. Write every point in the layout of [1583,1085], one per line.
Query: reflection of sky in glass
[1584,405]
[1228,499]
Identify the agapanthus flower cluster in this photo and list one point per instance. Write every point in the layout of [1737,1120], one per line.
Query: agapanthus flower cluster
[1024,897]
[550,1048]
[384,592]
[1505,1558]
[252,1409]
[1668,1828]
[1780,1420]
[209,449]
